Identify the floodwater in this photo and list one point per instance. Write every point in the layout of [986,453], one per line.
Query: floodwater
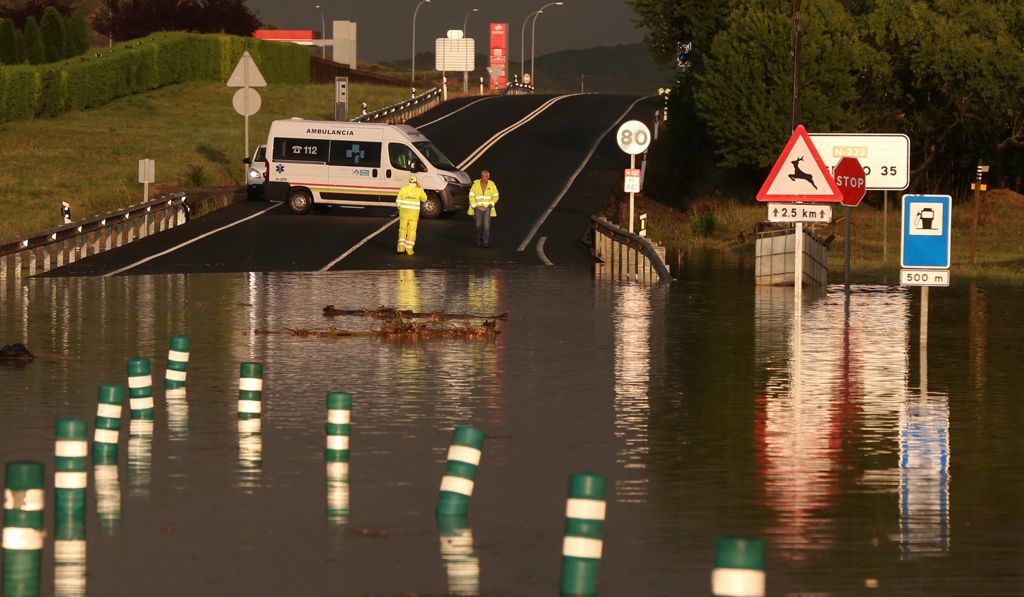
[868,465]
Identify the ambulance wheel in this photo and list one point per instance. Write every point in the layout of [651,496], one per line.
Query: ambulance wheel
[432,207]
[300,201]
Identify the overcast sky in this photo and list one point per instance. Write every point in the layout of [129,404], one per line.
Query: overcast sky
[385,26]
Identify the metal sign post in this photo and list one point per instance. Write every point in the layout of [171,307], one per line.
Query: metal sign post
[926,243]
[246,101]
[633,138]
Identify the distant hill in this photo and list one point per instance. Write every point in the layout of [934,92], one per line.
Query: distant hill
[608,69]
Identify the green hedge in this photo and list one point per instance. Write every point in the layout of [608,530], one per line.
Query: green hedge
[138,66]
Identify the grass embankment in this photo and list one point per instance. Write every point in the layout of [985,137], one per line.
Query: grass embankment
[90,158]
[729,225]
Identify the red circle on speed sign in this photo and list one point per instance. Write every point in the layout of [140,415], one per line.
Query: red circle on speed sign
[851,180]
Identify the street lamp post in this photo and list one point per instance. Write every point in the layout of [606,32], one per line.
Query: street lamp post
[323,32]
[533,38]
[422,2]
[465,74]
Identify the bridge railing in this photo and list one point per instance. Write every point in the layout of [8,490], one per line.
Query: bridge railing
[626,255]
[65,244]
[403,111]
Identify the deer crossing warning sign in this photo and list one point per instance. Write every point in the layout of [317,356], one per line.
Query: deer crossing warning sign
[799,174]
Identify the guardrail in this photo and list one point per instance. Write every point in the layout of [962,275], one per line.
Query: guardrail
[403,111]
[626,255]
[65,244]
[517,88]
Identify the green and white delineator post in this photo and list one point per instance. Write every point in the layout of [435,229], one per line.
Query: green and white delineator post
[460,471]
[140,389]
[250,391]
[23,536]
[70,480]
[739,568]
[177,362]
[584,528]
[108,424]
[338,427]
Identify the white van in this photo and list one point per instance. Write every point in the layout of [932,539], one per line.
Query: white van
[358,164]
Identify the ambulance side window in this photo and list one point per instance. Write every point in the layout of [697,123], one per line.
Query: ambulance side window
[363,154]
[401,156]
[301,150]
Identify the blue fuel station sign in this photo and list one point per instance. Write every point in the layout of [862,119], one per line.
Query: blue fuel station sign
[926,235]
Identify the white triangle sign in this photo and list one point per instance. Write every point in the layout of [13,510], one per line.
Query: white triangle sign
[246,74]
[799,174]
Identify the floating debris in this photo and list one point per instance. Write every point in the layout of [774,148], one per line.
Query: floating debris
[393,313]
[16,351]
[400,329]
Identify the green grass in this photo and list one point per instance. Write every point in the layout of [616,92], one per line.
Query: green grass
[90,158]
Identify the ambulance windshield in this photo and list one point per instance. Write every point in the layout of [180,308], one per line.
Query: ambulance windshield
[434,155]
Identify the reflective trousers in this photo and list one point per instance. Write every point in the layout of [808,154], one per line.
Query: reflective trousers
[407,234]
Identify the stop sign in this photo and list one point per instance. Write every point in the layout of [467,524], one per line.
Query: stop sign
[851,180]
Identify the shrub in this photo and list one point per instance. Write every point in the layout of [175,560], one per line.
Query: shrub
[195,175]
[35,52]
[7,42]
[54,35]
[705,224]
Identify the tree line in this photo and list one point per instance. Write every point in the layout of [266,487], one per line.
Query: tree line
[54,37]
[130,19]
[950,75]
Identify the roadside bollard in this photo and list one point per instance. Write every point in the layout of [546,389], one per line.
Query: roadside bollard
[108,424]
[24,501]
[70,476]
[250,391]
[177,362]
[338,428]
[584,526]
[140,389]
[69,481]
[739,568]
[460,471]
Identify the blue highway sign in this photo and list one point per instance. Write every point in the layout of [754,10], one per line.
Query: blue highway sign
[926,231]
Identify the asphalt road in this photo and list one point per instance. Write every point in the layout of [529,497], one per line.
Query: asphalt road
[553,172]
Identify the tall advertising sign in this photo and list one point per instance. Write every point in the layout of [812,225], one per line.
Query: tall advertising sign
[499,56]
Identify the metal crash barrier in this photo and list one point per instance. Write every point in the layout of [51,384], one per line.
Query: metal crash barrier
[403,111]
[625,255]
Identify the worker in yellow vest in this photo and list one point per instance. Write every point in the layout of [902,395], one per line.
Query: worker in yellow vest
[483,195]
[408,201]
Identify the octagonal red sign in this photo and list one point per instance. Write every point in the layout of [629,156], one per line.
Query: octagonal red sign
[851,180]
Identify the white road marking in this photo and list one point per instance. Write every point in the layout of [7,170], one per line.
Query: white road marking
[540,251]
[572,179]
[466,163]
[357,245]
[190,241]
[456,111]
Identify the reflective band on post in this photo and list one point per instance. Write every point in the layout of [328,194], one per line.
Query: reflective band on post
[457,485]
[23,539]
[70,480]
[737,582]
[585,509]
[140,381]
[110,411]
[176,375]
[25,500]
[250,406]
[581,547]
[250,384]
[337,442]
[339,417]
[106,436]
[464,454]
[181,357]
[141,403]
[71,449]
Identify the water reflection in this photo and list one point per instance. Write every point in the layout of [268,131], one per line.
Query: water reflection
[835,390]
[632,318]
[108,497]
[250,453]
[140,456]
[337,493]
[177,413]
[69,567]
[460,560]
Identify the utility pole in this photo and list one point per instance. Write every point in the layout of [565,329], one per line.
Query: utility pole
[796,66]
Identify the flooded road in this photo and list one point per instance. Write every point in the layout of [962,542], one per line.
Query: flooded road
[867,466]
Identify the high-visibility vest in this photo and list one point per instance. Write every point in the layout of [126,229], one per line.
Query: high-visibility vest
[409,199]
[480,197]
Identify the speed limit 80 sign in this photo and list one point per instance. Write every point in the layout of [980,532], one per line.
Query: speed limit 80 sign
[633,137]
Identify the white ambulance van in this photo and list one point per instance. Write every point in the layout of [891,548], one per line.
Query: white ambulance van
[358,164]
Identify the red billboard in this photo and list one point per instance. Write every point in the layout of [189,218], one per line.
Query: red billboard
[499,55]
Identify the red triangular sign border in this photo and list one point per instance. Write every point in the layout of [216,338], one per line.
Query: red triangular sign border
[798,132]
